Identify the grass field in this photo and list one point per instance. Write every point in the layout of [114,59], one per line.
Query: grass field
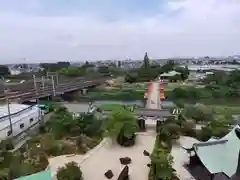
[171,86]
[113,107]
[226,109]
[110,107]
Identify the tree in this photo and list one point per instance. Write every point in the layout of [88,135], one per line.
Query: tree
[71,171]
[53,67]
[120,123]
[188,128]
[61,122]
[161,164]
[86,124]
[4,70]
[130,78]
[218,127]
[72,71]
[169,131]
[146,62]
[119,64]
[103,70]
[169,66]
[184,72]
[199,113]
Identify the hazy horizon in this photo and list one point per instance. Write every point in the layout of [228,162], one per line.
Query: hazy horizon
[80,30]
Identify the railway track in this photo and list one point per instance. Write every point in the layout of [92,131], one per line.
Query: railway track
[28,92]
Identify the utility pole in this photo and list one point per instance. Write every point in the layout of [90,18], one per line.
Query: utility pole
[36,91]
[8,106]
[53,86]
[43,83]
[57,78]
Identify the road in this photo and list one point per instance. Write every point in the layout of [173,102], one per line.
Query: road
[153,96]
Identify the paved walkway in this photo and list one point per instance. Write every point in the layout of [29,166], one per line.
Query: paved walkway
[106,156]
[180,156]
[153,96]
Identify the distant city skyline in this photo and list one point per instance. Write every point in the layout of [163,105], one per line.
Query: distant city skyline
[80,30]
[19,61]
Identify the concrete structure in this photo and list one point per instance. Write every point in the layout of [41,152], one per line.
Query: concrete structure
[22,117]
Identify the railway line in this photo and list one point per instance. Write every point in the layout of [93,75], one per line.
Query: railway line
[27,91]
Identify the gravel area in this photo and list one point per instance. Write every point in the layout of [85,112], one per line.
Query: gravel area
[106,156]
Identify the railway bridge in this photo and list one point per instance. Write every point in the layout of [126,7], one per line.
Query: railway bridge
[29,92]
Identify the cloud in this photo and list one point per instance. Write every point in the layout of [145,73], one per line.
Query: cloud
[42,32]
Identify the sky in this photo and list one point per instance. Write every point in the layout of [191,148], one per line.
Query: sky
[79,30]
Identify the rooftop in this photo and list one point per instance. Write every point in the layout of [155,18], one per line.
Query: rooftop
[220,155]
[170,73]
[14,108]
[43,175]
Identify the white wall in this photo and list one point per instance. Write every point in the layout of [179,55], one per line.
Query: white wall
[17,120]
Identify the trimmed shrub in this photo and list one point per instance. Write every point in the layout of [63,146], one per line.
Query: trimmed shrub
[126,141]
[71,171]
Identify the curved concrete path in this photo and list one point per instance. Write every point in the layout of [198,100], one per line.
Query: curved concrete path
[106,156]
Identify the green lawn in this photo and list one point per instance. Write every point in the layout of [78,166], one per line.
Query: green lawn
[171,86]
[110,107]
[226,109]
[113,107]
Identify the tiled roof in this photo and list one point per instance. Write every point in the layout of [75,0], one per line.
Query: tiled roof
[220,155]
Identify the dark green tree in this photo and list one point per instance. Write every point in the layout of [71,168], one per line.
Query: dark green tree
[71,171]
[184,72]
[119,64]
[120,123]
[130,78]
[4,71]
[169,66]
[146,61]
[161,163]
